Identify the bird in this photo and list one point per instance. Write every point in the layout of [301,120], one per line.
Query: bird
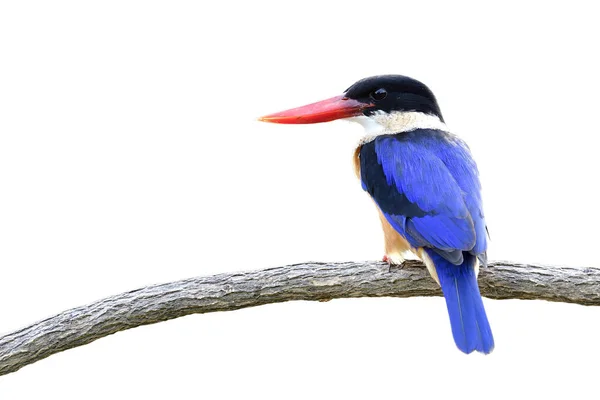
[426,187]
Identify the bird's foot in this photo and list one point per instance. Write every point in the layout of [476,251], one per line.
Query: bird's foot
[392,264]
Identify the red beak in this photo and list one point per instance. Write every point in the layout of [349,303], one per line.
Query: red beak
[322,111]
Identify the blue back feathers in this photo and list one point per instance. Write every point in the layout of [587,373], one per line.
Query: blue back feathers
[427,186]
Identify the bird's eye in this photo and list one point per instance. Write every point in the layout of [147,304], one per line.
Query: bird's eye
[379,94]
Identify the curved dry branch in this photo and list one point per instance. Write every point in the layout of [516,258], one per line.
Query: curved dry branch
[309,281]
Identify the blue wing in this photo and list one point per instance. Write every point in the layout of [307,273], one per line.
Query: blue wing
[426,184]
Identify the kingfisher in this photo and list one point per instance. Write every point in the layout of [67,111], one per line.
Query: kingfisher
[426,187]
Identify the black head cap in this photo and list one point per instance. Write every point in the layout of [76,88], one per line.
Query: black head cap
[394,93]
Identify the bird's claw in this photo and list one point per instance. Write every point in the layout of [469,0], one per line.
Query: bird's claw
[391,265]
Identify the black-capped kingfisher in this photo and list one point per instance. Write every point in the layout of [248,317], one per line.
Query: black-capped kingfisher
[425,184]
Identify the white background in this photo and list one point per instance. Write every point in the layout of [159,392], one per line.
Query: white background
[130,155]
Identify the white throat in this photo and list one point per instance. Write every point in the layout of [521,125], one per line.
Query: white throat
[382,123]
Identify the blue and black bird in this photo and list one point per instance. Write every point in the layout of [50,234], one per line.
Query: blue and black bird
[425,184]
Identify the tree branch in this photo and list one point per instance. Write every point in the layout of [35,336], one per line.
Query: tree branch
[310,281]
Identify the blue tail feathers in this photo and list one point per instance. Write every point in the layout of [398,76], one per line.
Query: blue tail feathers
[470,326]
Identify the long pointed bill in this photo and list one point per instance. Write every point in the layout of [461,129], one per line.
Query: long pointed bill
[322,111]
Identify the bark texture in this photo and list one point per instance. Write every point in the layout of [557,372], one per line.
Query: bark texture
[308,281]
